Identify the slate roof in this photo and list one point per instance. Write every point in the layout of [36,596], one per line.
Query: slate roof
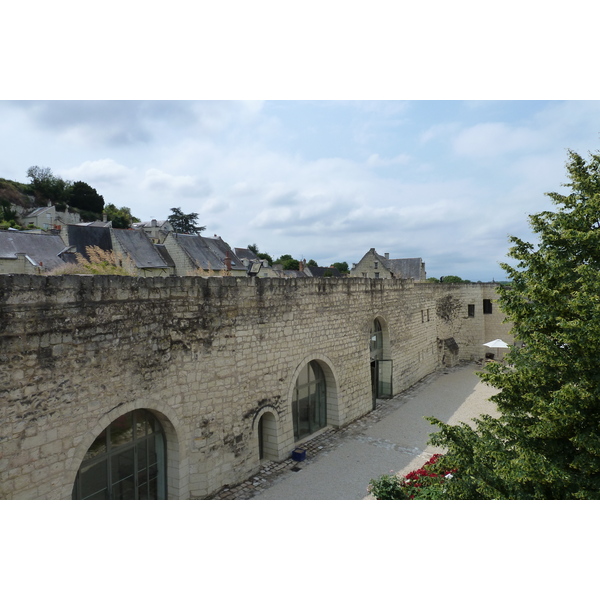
[320,271]
[42,248]
[245,253]
[207,253]
[402,268]
[141,250]
[160,248]
[405,268]
[39,211]
[220,248]
[83,236]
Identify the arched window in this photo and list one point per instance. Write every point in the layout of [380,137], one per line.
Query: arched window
[309,406]
[125,462]
[381,365]
[376,341]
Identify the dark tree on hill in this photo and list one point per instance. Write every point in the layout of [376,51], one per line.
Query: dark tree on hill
[48,186]
[85,197]
[312,263]
[546,442]
[184,223]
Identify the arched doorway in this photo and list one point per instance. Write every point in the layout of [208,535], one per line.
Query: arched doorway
[309,404]
[381,365]
[267,437]
[127,461]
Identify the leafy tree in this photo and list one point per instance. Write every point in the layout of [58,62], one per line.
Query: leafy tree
[546,442]
[342,267]
[85,197]
[121,217]
[39,175]
[47,185]
[289,263]
[184,223]
[453,279]
[312,263]
[261,255]
[8,215]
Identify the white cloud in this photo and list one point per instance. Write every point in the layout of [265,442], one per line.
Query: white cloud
[489,140]
[186,185]
[327,180]
[438,131]
[105,170]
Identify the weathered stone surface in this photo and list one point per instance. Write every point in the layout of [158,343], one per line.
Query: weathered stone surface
[208,357]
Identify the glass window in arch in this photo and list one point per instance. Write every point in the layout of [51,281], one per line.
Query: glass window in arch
[125,462]
[310,401]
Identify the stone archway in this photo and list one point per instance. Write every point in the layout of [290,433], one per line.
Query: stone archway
[132,438]
[267,436]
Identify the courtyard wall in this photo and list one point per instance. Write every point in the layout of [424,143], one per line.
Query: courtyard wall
[208,356]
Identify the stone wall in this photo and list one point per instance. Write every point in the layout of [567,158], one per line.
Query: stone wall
[208,357]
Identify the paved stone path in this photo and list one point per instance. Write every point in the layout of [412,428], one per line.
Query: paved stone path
[340,462]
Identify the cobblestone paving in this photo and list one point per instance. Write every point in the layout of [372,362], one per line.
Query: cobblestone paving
[319,446]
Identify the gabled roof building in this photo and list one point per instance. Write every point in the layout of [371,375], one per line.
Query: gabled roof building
[193,254]
[29,253]
[375,266]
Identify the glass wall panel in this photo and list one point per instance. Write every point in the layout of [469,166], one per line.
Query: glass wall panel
[127,461]
[93,481]
[384,378]
[309,408]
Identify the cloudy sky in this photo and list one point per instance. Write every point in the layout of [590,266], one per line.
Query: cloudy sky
[448,181]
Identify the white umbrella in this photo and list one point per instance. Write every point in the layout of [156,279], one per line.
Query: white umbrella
[497,344]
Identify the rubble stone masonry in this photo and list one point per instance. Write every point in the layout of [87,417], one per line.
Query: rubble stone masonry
[209,357]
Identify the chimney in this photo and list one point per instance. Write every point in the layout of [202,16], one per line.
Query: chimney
[104,217]
[228,261]
[301,264]
[387,255]
[154,223]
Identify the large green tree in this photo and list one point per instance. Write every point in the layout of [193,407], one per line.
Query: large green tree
[342,267]
[546,442]
[85,197]
[121,218]
[289,263]
[49,186]
[184,223]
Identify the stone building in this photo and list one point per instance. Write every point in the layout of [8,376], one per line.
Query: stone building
[29,252]
[156,230]
[195,254]
[173,387]
[375,266]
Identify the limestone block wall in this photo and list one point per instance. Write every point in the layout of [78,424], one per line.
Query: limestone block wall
[209,357]
[19,265]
